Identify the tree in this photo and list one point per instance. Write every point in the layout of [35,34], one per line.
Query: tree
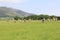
[51,17]
[16,18]
[58,18]
[43,16]
[33,17]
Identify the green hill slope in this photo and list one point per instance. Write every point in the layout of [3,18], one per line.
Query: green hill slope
[10,12]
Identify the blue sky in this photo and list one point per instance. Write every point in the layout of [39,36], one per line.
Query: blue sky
[50,7]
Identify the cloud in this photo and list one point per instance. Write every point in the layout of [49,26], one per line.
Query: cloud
[12,1]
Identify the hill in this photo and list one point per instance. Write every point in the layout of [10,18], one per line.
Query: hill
[10,12]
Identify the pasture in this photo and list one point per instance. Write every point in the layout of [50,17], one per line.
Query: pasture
[32,30]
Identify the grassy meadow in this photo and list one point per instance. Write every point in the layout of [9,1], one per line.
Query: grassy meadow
[31,30]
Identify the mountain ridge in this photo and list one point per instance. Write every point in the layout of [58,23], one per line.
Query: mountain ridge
[11,12]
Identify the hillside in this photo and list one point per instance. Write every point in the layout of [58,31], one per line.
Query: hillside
[10,12]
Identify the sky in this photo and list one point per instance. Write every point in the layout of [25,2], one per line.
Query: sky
[50,7]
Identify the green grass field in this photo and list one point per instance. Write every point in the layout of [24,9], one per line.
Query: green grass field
[34,30]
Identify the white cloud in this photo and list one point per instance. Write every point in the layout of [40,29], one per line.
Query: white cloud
[12,1]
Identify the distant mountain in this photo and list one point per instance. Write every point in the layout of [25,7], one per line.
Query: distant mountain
[10,12]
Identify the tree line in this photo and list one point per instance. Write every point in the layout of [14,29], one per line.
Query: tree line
[37,17]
